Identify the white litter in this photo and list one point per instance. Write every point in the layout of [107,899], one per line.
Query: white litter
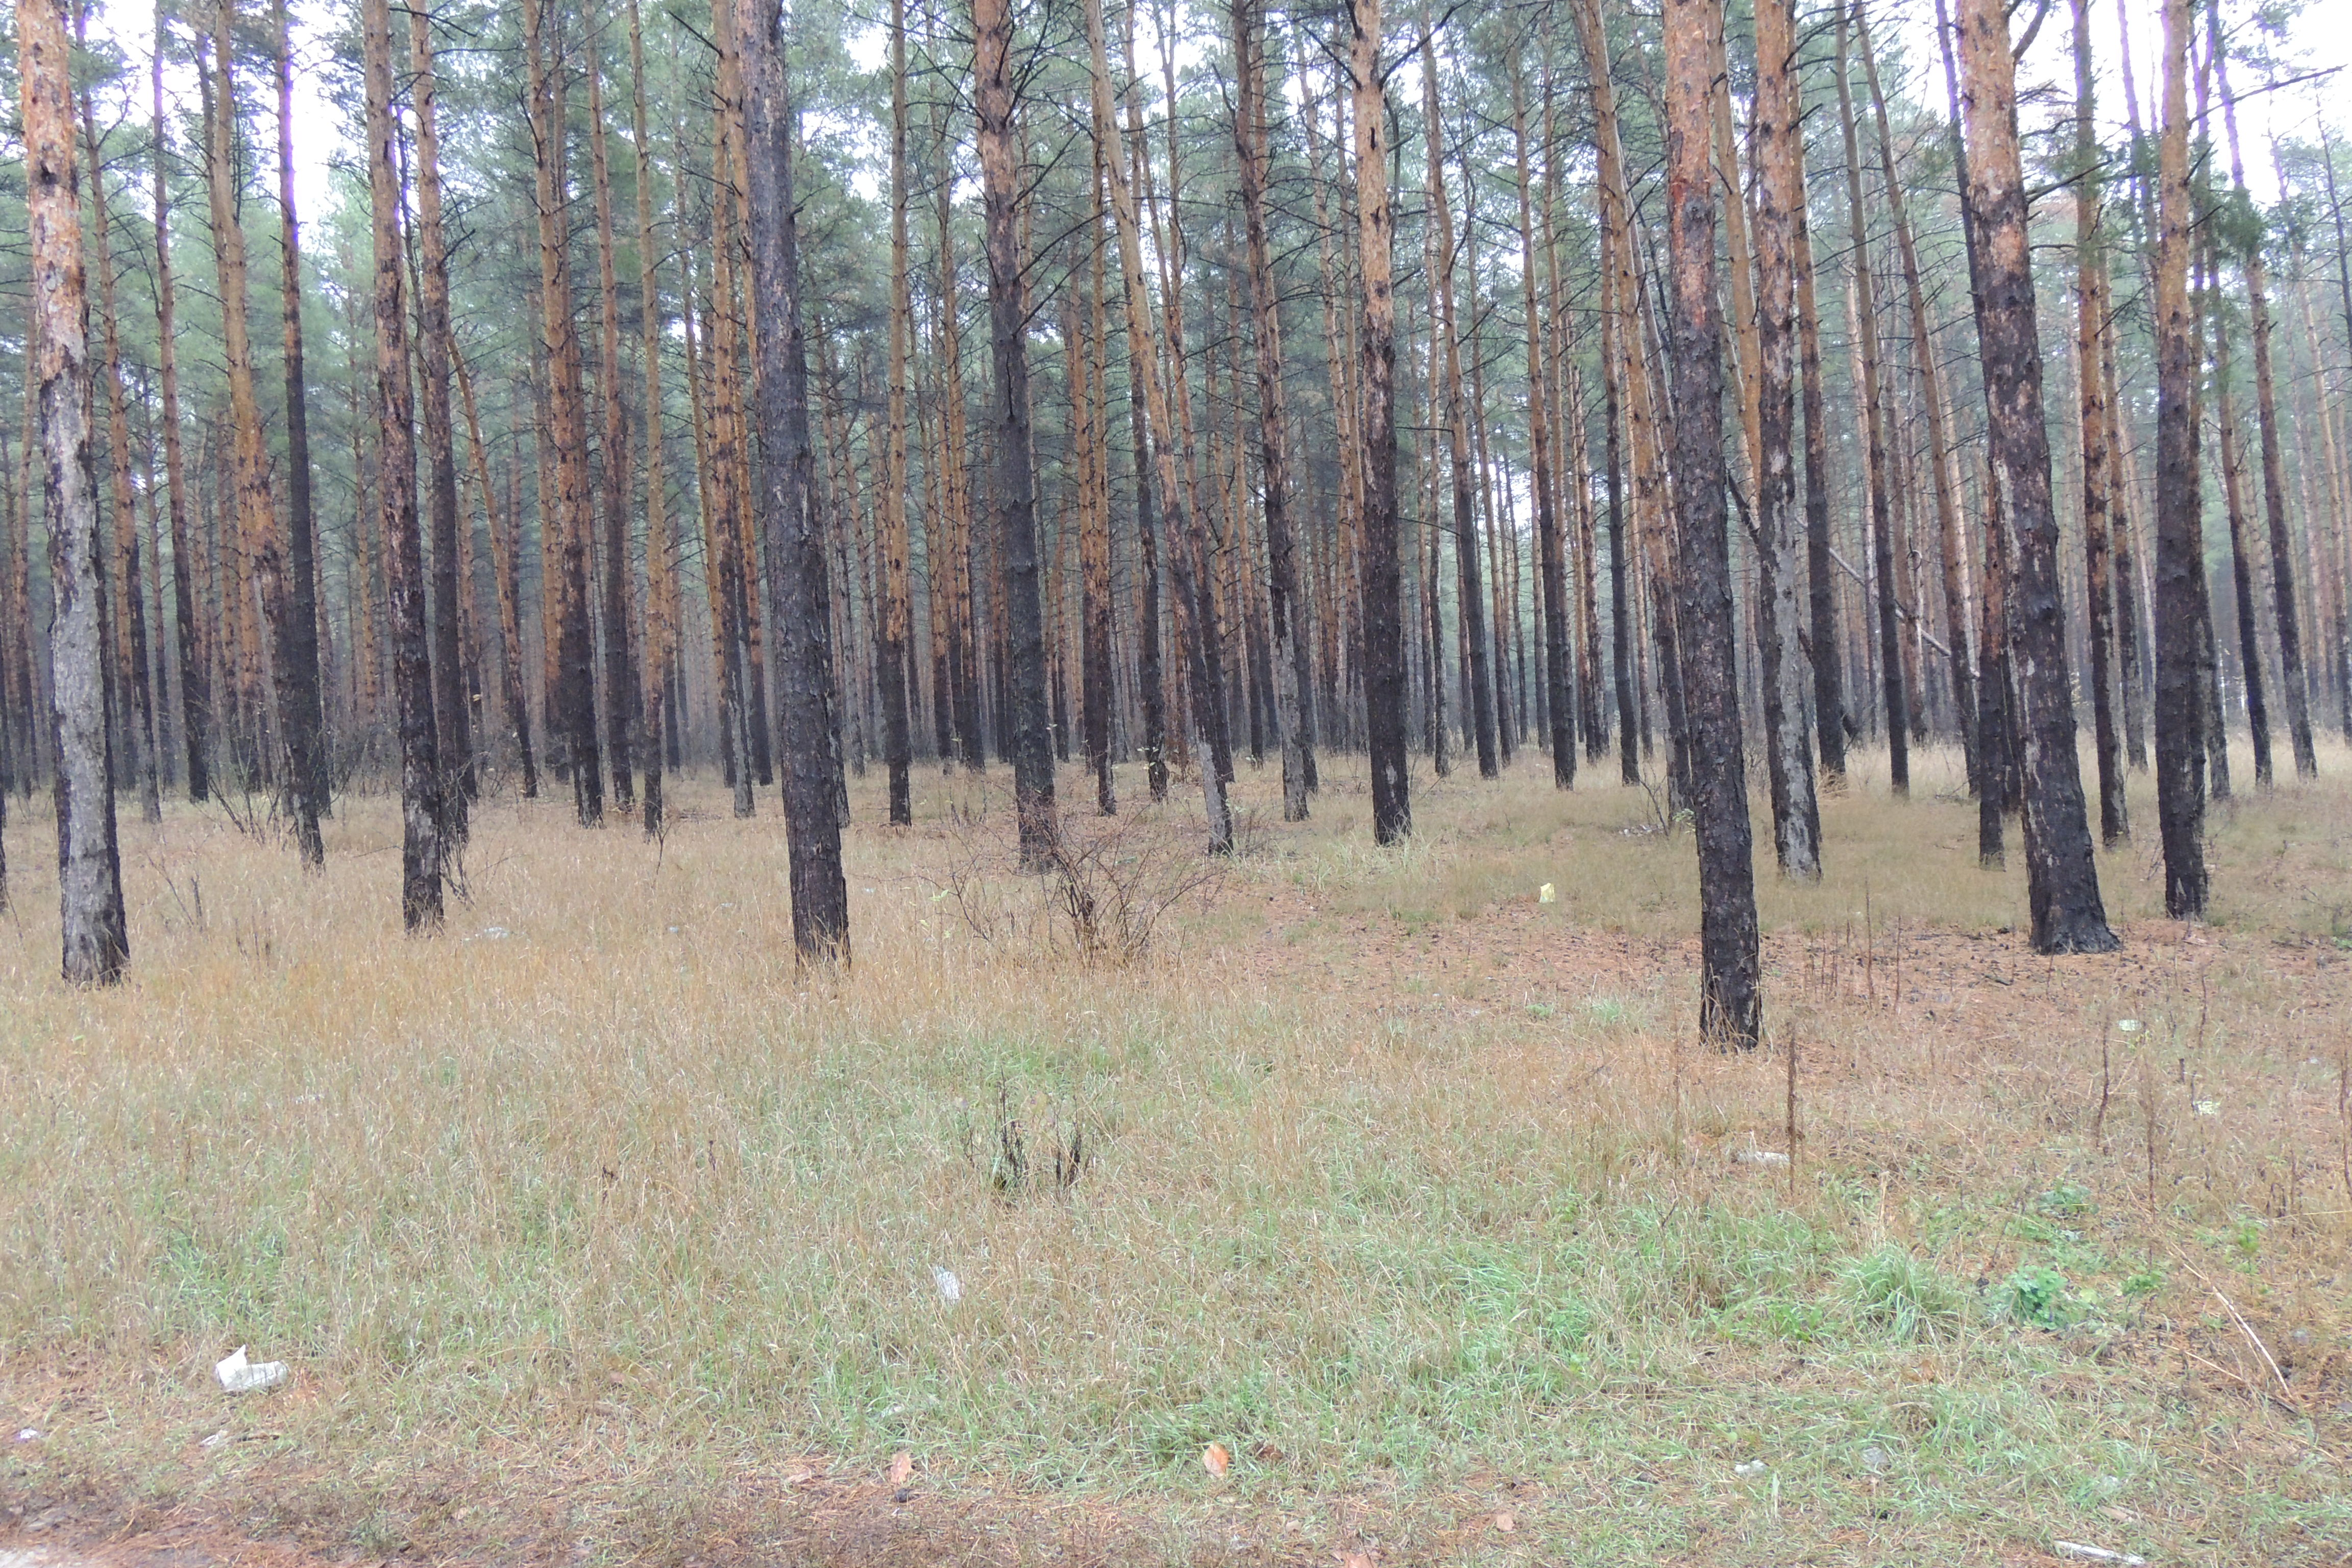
[214,1441]
[1759,1157]
[490,933]
[239,1375]
[1749,1468]
[1546,894]
[2082,1554]
[950,1288]
[28,1436]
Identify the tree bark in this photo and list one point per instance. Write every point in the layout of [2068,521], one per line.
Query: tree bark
[504,549]
[1547,556]
[996,105]
[453,726]
[1288,655]
[95,937]
[892,672]
[2292,679]
[2062,880]
[422,847]
[795,532]
[1383,574]
[1882,522]
[2090,331]
[195,685]
[257,514]
[1730,1009]
[658,649]
[1780,194]
[134,705]
[621,716]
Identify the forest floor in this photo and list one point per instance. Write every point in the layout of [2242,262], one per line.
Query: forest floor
[1380,1213]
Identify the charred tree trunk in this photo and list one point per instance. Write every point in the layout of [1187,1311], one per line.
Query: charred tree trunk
[2090,329]
[453,723]
[1383,584]
[2062,877]
[2180,545]
[795,532]
[1730,1009]
[421,848]
[890,650]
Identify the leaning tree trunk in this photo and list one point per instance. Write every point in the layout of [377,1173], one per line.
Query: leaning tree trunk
[997,106]
[795,529]
[421,847]
[1779,194]
[1730,1008]
[2063,878]
[96,942]
[1143,369]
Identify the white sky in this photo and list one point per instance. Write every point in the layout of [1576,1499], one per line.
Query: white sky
[2318,39]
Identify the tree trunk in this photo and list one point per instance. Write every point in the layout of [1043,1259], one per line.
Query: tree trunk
[422,847]
[1088,375]
[892,670]
[1730,1010]
[1547,556]
[1950,546]
[996,105]
[1882,522]
[1821,579]
[504,549]
[1780,194]
[1143,368]
[794,531]
[1383,579]
[1288,656]
[2291,679]
[2062,880]
[658,649]
[620,667]
[95,938]
[2090,331]
[133,706]
[453,726]
[196,686]
[2241,574]
[257,515]
[567,553]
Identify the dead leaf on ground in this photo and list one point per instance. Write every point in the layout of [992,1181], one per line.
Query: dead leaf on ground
[1217,1457]
[901,1468]
[1505,1522]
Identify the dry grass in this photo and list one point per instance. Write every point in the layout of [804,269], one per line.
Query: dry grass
[591,1228]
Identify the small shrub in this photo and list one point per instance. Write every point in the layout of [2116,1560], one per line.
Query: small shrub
[2036,1295]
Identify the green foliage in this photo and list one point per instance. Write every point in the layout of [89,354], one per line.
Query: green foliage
[1902,1292]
